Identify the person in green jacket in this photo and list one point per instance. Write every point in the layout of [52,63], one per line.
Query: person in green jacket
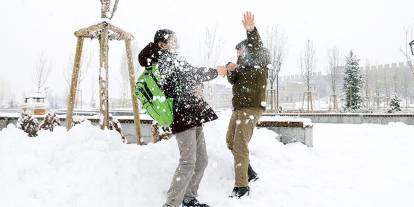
[249,80]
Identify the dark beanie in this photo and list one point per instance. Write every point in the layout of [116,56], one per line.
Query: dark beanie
[241,44]
[162,35]
[149,55]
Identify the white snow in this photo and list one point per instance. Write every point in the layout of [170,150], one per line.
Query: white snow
[350,165]
[9,114]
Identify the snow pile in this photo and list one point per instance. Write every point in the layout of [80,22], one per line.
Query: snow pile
[351,165]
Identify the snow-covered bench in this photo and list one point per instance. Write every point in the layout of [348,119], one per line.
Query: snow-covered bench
[290,129]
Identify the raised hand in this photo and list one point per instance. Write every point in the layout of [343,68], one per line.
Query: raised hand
[248,21]
[222,70]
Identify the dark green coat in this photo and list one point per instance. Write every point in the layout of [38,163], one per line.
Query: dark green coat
[249,80]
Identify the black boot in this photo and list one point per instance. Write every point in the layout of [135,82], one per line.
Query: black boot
[239,192]
[193,203]
[252,174]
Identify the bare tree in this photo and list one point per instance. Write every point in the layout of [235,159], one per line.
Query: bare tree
[334,72]
[367,82]
[406,51]
[275,42]
[307,64]
[3,92]
[41,72]
[87,58]
[210,53]
[406,79]
[94,90]
[386,89]
[211,46]
[124,81]
[407,55]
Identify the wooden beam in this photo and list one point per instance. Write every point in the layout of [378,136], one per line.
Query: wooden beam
[103,79]
[131,70]
[74,83]
[105,4]
[123,35]
[91,31]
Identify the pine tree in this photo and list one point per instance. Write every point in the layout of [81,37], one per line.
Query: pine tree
[352,84]
[51,120]
[394,104]
[28,124]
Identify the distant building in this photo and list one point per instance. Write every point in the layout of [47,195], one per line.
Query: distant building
[381,82]
[218,96]
[292,90]
[36,104]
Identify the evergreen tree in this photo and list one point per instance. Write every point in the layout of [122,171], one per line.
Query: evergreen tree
[51,120]
[28,124]
[394,104]
[352,84]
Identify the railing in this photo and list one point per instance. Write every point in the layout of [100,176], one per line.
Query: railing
[352,118]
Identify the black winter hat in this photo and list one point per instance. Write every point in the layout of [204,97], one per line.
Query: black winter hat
[149,55]
[241,44]
[162,35]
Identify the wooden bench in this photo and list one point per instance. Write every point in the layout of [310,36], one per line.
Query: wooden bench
[289,131]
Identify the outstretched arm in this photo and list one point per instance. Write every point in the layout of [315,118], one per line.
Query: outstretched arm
[254,42]
[203,74]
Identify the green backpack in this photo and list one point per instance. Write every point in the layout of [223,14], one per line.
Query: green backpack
[152,97]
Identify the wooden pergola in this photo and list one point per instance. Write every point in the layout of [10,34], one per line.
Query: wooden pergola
[104,32]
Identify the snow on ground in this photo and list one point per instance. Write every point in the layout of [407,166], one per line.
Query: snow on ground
[350,165]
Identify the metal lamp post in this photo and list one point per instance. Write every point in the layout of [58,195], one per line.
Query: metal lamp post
[412,47]
[278,65]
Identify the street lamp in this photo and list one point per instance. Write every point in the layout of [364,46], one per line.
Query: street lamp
[412,47]
[278,66]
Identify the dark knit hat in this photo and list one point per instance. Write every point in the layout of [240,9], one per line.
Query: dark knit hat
[162,35]
[149,55]
[241,44]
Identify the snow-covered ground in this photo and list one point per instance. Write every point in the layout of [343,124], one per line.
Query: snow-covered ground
[350,165]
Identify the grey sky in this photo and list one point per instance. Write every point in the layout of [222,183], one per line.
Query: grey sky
[372,28]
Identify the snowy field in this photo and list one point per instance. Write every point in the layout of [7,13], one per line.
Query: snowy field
[350,165]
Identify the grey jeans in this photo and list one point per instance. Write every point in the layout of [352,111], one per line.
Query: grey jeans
[193,161]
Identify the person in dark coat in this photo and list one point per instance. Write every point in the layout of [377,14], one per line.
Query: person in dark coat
[182,82]
[249,79]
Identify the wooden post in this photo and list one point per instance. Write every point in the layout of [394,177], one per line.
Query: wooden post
[137,120]
[103,79]
[74,83]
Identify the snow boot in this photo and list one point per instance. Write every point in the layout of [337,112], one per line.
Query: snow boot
[193,203]
[239,192]
[252,175]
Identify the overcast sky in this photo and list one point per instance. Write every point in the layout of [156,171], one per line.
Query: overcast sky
[374,29]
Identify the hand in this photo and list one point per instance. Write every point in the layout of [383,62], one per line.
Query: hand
[222,70]
[248,21]
[231,67]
